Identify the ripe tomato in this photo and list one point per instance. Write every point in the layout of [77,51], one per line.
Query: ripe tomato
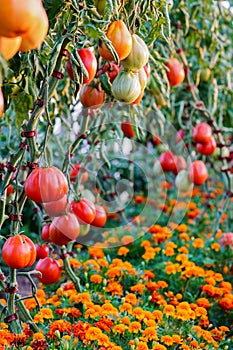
[112,69]
[167,161]
[207,148]
[18,252]
[84,210]
[89,60]
[127,129]
[45,233]
[202,133]
[75,169]
[1,103]
[100,217]
[64,229]
[42,251]
[176,73]
[50,270]
[180,135]
[156,140]
[9,46]
[9,190]
[198,172]
[121,40]
[46,185]
[55,208]
[180,164]
[91,96]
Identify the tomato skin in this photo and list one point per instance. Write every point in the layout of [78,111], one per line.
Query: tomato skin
[202,133]
[156,140]
[167,161]
[42,251]
[180,135]
[176,72]
[9,190]
[127,129]
[9,46]
[50,270]
[46,185]
[121,40]
[75,169]
[207,148]
[18,252]
[64,229]
[89,60]
[84,210]
[100,217]
[45,233]
[91,96]
[112,69]
[198,172]
[55,208]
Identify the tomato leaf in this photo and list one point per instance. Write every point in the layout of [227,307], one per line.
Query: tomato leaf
[104,80]
[22,104]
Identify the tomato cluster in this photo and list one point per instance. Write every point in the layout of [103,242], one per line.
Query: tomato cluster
[205,142]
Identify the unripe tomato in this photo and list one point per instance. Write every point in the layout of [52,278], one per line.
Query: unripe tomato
[75,169]
[18,252]
[100,217]
[180,135]
[127,129]
[126,87]
[84,210]
[91,96]
[138,56]
[55,208]
[207,148]
[42,251]
[50,270]
[9,46]
[205,74]
[182,181]
[121,40]
[89,60]
[167,161]
[176,73]
[45,233]
[1,103]
[64,229]
[112,69]
[84,229]
[198,172]
[46,185]
[202,133]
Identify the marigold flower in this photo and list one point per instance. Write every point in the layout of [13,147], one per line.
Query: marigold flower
[122,251]
[203,302]
[93,333]
[96,278]
[169,310]
[95,252]
[198,243]
[126,307]
[150,333]
[134,327]
[167,339]
[131,299]
[142,346]
[114,288]
[60,325]
[138,288]
[119,328]
[159,347]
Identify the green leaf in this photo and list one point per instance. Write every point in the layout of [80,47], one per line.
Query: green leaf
[106,86]
[22,105]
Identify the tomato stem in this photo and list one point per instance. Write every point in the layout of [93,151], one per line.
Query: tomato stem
[14,324]
[70,271]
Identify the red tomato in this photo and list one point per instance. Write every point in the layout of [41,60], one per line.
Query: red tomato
[55,208]
[180,135]
[75,169]
[84,210]
[112,69]
[45,233]
[180,164]
[64,229]
[156,140]
[198,172]
[89,60]
[46,185]
[121,40]
[100,217]
[127,129]
[42,251]
[91,96]
[202,133]
[50,270]
[9,190]
[168,161]
[176,72]
[207,148]
[18,252]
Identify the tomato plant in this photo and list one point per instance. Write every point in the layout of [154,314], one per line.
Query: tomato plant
[84,210]
[18,252]
[50,270]
[175,72]
[46,185]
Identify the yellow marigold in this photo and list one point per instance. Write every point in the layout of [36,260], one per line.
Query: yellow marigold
[149,322]
[122,251]
[114,288]
[119,328]
[134,327]
[184,237]
[150,333]
[131,299]
[108,309]
[38,336]
[93,333]
[198,243]
[138,288]
[146,244]
[158,315]
[176,338]
[93,311]
[45,313]
[142,346]
[167,339]
[149,254]
[96,278]
[138,313]
[159,347]
[103,340]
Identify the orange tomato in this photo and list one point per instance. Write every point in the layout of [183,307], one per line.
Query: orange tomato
[9,46]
